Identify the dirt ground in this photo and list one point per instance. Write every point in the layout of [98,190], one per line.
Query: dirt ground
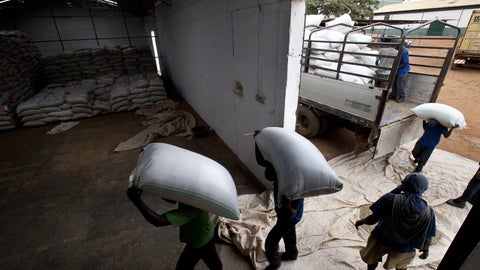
[460,91]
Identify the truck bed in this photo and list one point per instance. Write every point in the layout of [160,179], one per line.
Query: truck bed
[395,111]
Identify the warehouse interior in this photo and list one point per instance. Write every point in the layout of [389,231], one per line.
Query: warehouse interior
[62,54]
[244,54]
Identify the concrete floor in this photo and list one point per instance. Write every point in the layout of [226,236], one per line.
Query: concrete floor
[63,203]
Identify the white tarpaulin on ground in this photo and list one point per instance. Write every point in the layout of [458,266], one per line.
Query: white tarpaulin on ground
[327,238]
[162,119]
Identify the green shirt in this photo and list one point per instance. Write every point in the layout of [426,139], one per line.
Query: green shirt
[196,228]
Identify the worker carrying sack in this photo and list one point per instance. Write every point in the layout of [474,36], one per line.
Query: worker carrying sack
[181,175]
[301,169]
[444,114]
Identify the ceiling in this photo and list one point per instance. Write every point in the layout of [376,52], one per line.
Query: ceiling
[137,7]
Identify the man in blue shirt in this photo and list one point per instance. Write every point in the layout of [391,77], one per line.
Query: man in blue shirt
[398,88]
[405,223]
[424,147]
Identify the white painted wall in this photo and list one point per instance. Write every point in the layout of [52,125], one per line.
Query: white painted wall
[207,46]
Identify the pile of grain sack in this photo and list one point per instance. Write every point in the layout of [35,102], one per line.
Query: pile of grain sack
[19,73]
[89,97]
[329,45]
[93,81]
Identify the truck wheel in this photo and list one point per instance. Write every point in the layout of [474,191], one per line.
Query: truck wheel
[308,123]
[323,118]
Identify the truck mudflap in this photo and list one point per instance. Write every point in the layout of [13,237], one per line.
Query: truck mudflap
[396,134]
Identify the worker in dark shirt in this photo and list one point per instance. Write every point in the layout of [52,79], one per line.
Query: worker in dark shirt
[289,213]
[424,147]
[471,192]
[405,223]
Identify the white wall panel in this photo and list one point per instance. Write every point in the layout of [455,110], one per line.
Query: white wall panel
[210,47]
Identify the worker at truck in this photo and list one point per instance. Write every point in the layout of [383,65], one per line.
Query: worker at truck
[398,88]
[424,146]
[385,60]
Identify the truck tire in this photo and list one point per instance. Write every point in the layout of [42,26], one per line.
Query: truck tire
[308,123]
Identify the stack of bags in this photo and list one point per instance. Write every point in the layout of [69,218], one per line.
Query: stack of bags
[91,62]
[19,73]
[327,45]
[90,97]
[138,91]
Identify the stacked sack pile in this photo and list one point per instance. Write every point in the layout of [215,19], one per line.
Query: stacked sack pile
[91,62]
[90,82]
[90,97]
[19,73]
[327,44]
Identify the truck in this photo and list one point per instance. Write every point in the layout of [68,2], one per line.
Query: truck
[341,91]
[468,51]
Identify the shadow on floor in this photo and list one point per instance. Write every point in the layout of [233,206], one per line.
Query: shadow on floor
[63,203]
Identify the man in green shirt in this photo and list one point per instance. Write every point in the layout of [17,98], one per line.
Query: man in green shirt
[196,231]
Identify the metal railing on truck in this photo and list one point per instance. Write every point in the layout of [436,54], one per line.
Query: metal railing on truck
[430,57]
[429,60]
[359,56]
[315,48]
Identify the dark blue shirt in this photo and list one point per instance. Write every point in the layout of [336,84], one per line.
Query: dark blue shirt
[404,60]
[431,136]
[380,209]
[299,215]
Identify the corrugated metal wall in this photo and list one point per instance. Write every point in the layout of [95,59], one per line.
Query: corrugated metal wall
[56,30]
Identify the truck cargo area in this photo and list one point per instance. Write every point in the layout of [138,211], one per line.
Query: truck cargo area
[340,85]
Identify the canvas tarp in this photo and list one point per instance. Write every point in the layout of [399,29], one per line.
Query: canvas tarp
[327,238]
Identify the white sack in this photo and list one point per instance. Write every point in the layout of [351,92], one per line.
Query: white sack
[325,73]
[360,70]
[356,37]
[188,177]
[302,170]
[328,35]
[445,114]
[336,55]
[351,78]
[369,60]
[323,63]
[313,20]
[344,19]
[306,35]
[348,47]
[318,45]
